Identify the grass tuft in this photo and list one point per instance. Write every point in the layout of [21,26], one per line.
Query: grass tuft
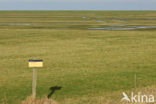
[31,100]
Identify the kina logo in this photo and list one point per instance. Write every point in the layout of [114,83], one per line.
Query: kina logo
[138,98]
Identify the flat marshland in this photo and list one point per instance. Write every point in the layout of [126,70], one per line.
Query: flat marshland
[89,54]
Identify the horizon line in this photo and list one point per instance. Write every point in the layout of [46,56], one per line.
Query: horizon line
[76,10]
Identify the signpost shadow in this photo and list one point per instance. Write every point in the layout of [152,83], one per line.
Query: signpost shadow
[53,89]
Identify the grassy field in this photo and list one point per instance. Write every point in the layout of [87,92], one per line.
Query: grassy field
[85,63]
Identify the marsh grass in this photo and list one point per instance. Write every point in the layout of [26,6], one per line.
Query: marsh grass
[83,62]
[31,100]
[114,98]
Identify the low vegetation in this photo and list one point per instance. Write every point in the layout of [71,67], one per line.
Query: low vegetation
[90,66]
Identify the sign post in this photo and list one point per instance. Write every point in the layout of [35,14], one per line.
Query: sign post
[34,83]
[35,64]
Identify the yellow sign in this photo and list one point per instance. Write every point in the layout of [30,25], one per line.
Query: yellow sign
[35,63]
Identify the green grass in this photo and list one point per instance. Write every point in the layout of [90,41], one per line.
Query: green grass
[83,62]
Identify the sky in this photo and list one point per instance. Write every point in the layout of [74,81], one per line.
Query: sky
[77,4]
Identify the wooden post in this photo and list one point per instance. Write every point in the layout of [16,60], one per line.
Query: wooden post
[34,83]
[35,64]
[135,81]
